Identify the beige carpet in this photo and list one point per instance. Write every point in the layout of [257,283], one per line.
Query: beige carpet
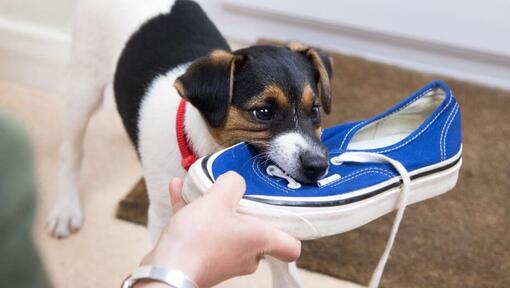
[106,249]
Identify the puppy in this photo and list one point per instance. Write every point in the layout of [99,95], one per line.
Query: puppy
[159,52]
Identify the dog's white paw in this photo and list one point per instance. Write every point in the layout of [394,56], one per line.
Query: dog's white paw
[64,219]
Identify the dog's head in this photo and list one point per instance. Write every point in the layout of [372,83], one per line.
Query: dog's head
[268,96]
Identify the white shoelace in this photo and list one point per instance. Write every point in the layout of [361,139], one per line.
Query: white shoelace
[365,157]
[274,171]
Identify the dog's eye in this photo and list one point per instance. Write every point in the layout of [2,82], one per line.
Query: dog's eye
[316,112]
[263,114]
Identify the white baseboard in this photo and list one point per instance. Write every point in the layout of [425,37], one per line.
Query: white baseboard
[32,54]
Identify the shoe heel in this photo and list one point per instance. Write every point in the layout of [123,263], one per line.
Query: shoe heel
[435,185]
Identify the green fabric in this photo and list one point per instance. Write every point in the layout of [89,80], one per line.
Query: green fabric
[20,265]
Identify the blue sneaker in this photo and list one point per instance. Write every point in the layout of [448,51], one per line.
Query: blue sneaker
[404,155]
[421,135]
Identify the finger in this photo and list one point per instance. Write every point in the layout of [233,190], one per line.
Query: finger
[228,190]
[282,246]
[176,194]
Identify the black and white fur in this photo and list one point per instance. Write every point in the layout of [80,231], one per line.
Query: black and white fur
[144,47]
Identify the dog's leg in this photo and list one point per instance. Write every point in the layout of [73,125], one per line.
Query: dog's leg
[158,217]
[158,173]
[83,96]
[284,275]
[159,166]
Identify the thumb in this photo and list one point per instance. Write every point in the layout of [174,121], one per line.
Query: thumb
[282,246]
[228,190]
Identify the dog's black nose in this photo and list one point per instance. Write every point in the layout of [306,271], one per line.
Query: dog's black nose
[313,164]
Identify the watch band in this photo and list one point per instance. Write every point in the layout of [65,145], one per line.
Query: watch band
[174,278]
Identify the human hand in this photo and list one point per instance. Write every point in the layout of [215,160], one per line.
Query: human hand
[210,242]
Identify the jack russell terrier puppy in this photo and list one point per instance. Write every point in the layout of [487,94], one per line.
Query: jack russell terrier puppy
[162,54]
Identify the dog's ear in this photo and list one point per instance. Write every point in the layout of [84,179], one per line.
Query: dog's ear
[208,85]
[322,63]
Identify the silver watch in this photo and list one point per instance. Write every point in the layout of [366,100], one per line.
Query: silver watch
[172,277]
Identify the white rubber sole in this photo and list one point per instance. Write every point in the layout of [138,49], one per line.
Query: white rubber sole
[306,223]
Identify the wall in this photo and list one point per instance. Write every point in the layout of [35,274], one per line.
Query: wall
[462,39]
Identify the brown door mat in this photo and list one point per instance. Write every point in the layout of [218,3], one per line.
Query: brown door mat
[460,239]
[133,207]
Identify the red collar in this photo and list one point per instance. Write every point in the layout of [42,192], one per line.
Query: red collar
[188,157]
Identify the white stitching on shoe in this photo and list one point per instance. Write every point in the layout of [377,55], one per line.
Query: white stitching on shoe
[349,132]
[349,177]
[261,175]
[442,132]
[441,147]
[446,132]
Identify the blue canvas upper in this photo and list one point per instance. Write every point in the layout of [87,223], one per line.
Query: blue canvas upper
[436,140]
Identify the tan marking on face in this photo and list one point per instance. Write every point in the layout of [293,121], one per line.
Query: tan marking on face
[307,98]
[238,127]
[271,92]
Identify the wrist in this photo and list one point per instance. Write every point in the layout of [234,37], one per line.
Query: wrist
[189,264]
[151,284]
[158,277]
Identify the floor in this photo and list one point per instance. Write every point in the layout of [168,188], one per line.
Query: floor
[106,249]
